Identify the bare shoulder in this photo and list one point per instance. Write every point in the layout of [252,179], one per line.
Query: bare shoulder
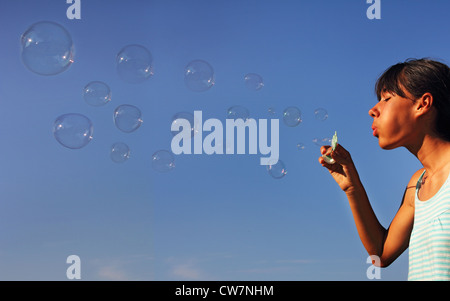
[411,188]
[415,177]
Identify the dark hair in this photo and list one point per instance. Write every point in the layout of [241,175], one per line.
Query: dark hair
[417,77]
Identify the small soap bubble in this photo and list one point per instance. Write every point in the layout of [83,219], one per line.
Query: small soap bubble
[238,112]
[47,48]
[321,114]
[321,141]
[271,111]
[292,116]
[97,93]
[127,118]
[163,161]
[199,76]
[120,152]
[253,81]
[194,124]
[300,146]
[73,130]
[134,64]
[277,170]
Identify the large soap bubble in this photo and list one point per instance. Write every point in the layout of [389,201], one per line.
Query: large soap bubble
[277,170]
[321,114]
[194,123]
[292,116]
[163,161]
[97,93]
[120,152]
[253,81]
[238,112]
[47,48]
[199,76]
[127,118]
[73,130]
[134,64]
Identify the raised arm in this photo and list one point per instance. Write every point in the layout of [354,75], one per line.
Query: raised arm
[389,243]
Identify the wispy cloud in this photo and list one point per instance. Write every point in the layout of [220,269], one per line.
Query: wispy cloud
[194,268]
[277,266]
[132,267]
[113,273]
[186,269]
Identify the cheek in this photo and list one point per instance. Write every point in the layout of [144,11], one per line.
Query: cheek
[396,130]
[395,118]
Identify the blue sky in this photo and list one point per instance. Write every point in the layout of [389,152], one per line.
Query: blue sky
[213,217]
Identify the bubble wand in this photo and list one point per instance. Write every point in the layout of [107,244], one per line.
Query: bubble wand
[328,158]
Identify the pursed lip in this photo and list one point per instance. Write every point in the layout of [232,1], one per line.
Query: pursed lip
[375,130]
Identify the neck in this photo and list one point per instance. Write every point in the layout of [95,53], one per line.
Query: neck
[432,152]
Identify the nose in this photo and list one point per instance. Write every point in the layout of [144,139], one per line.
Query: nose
[374,112]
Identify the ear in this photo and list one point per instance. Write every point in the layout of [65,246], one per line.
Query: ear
[424,104]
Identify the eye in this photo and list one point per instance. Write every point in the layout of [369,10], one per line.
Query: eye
[386,99]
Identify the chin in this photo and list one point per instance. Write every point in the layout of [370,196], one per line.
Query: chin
[386,146]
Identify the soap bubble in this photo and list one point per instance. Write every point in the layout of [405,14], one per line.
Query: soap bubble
[134,64]
[253,81]
[189,117]
[292,116]
[199,76]
[300,146]
[73,130]
[47,48]
[97,93]
[238,112]
[120,152]
[163,161]
[321,141]
[321,114]
[277,170]
[271,111]
[127,118]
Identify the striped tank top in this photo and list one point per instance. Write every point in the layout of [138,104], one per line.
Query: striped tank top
[429,245]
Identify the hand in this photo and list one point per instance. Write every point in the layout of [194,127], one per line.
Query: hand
[343,170]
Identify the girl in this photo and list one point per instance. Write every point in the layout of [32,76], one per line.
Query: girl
[413,111]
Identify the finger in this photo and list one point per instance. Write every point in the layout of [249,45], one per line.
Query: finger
[341,156]
[324,148]
[337,156]
[324,163]
[332,168]
[341,151]
[322,160]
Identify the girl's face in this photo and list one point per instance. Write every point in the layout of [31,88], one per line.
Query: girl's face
[393,121]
